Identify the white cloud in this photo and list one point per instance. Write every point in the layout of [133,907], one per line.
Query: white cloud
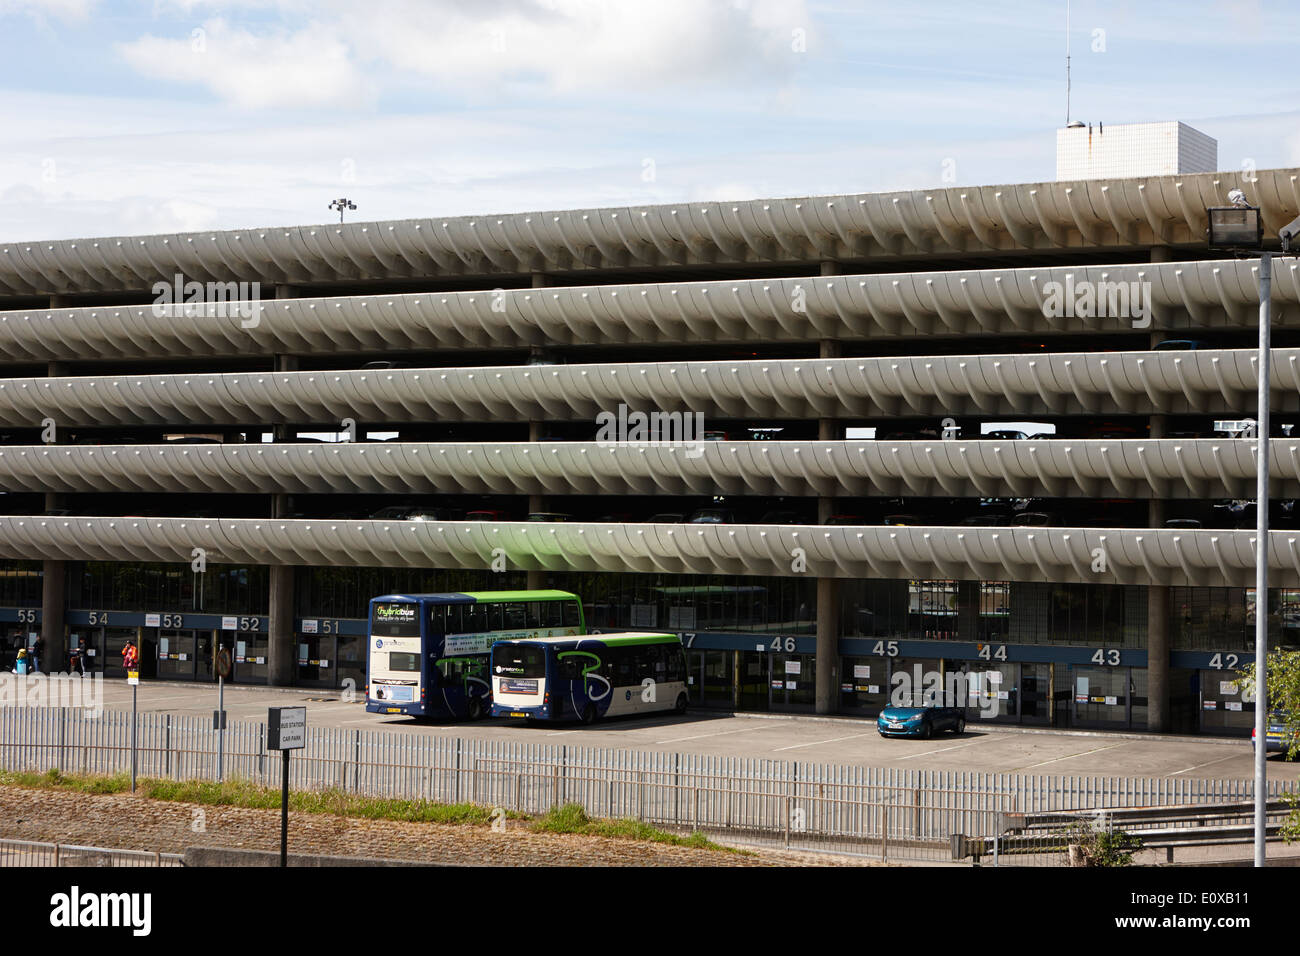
[73,10]
[579,45]
[582,46]
[303,69]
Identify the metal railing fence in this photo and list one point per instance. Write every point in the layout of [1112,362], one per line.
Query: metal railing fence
[873,811]
[32,853]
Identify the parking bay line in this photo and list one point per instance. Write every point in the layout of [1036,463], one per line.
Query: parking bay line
[1210,764]
[927,753]
[720,733]
[1082,753]
[816,742]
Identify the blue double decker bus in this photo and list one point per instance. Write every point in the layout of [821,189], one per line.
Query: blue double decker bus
[427,654]
[586,678]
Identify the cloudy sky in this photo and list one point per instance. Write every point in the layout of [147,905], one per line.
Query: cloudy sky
[138,116]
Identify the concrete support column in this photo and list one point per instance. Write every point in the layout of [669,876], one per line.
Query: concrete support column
[828,645]
[541,280]
[830,268]
[536,503]
[54,597]
[1158,659]
[1156,513]
[828,429]
[54,657]
[536,578]
[1156,506]
[1162,254]
[280,655]
[283,431]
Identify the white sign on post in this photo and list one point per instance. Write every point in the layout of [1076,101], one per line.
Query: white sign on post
[286,728]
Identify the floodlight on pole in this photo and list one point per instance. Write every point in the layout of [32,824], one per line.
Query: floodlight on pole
[342,204]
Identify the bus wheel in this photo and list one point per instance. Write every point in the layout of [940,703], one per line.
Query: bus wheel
[589,713]
[681,703]
[475,709]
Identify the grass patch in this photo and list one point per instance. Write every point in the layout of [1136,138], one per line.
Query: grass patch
[76,783]
[572,818]
[241,793]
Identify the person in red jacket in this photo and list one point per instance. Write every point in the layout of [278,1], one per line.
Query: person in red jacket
[130,656]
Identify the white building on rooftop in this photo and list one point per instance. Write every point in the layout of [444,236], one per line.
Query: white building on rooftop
[1133,149]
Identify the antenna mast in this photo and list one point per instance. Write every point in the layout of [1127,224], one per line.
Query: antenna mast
[1067,62]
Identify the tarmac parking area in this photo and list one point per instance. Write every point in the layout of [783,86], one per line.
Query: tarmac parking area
[982,748]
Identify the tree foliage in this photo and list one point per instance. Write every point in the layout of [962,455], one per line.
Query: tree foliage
[1284,696]
[1101,847]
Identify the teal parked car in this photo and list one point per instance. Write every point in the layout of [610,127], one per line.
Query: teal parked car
[923,722]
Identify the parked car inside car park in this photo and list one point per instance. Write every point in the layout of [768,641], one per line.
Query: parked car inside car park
[549,516]
[1005,434]
[1033,519]
[666,518]
[433,514]
[545,357]
[393,513]
[845,520]
[986,519]
[781,517]
[923,722]
[903,521]
[713,516]
[1179,345]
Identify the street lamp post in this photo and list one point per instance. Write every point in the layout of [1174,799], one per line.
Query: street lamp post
[1261,558]
[1238,227]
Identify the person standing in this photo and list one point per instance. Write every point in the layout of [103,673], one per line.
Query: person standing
[130,656]
[37,652]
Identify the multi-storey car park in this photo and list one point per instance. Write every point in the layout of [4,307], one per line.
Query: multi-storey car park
[848,355]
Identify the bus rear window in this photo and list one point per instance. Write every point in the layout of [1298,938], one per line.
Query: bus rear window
[398,661]
[514,660]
